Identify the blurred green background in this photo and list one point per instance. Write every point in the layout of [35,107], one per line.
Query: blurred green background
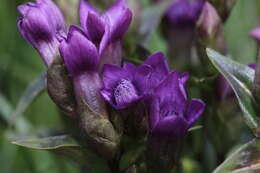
[20,64]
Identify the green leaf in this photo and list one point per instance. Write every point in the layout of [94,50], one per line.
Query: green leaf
[67,146]
[21,125]
[31,92]
[240,78]
[245,159]
[5,108]
[46,143]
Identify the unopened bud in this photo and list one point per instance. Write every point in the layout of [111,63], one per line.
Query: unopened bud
[223,7]
[209,21]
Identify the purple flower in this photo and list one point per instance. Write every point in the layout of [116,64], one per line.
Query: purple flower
[129,84]
[170,117]
[39,24]
[224,90]
[184,12]
[81,58]
[171,114]
[106,31]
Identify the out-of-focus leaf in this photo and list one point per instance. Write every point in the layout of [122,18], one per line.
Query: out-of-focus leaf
[31,92]
[70,10]
[151,18]
[66,146]
[46,143]
[245,159]
[240,77]
[5,109]
[21,125]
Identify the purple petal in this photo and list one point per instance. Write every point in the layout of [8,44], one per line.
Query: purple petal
[112,75]
[169,91]
[195,109]
[154,110]
[172,126]
[160,68]
[95,27]
[142,78]
[119,17]
[84,9]
[79,54]
[255,34]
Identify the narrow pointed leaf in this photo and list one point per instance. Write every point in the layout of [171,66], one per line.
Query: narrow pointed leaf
[21,125]
[240,78]
[46,143]
[245,159]
[64,145]
[31,92]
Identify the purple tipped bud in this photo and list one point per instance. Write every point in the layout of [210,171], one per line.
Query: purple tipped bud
[40,23]
[184,12]
[255,34]
[223,7]
[209,21]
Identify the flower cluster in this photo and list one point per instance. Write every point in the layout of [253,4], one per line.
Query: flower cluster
[92,55]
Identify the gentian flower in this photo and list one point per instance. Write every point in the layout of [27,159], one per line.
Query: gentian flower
[82,61]
[184,12]
[224,90]
[39,24]
[129,84]
[171,115]
[125,89]
[107,30]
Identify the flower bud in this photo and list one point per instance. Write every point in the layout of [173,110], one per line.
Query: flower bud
[209,30]
[81,58]
[223,7]
[39,24]
[184,12]
[209,21]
